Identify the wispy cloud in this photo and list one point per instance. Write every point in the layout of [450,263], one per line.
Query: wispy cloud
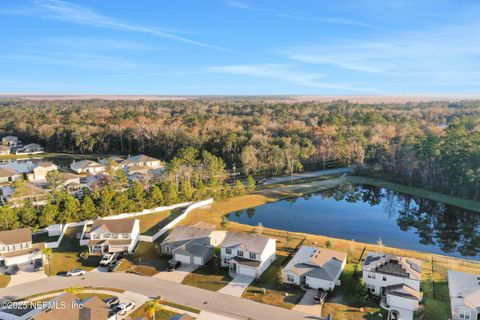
[238,4]
[287,73]
[79,14]
[333,20]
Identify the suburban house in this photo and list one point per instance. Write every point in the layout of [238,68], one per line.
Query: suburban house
[315,268]
[40,171]
[8,174]
[4,150]
[115,162]
[396,280]
[142,161]
[87,166]
[194,244]
[66,306]
[32,148]
[16,247]
[247,254]
[29,192]
[464,291]
[111,235]
[10,141]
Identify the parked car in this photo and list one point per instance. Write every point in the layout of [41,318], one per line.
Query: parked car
[106,259]
[121,254]
[111,302]
[173,266]
[123,308]
[38,265]
[76,272]
[320,296]
[112,266]
[13,270]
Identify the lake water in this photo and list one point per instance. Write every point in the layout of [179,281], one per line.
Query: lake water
[370,214]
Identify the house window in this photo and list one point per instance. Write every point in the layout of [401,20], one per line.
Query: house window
[106,236]
[371,276]
[167,249]
[126,235]
[290,278]
[384,278]
[228,251]
[115,236]
[465,314]
[239,253]
[253,255]
[96,236]
[225,260]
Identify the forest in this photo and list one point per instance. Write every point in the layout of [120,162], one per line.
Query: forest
[435,145]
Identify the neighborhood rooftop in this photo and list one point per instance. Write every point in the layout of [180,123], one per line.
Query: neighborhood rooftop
[16,236]
[393,265]
[248,242]
[183,233]
[464,289]
[113,225]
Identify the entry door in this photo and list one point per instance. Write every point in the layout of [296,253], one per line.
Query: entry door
[303,279]
[233,267]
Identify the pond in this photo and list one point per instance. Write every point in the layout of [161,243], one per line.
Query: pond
[371,214]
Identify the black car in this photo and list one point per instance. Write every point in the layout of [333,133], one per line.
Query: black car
[111,302]
[320,296]
[173,266]
[38,265]
[121,255]
[13,270]
[112,266]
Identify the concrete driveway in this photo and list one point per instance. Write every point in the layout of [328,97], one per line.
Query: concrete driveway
[306,305]
[177,275]
[237,286]
[26,274]
[128,296]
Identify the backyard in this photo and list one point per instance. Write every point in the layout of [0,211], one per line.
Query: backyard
[152,223]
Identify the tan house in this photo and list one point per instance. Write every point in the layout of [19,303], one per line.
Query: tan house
[142,161]
[39,173]
[16,247]
[112,235]
[4,150]
[115,162]
[8,175]
[30,192]
[87,166]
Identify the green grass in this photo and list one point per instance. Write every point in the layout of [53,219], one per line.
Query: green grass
[179,306]
[146,260]
[159,315]
[210,276]
[4,280]
[152,223]
[68,255]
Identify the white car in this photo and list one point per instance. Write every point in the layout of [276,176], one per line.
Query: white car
[125,307]
[106,259]
[76,272]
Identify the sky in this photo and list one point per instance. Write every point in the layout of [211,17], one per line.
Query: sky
[240,47]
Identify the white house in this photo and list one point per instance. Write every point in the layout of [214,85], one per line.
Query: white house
[194,244]
[464,291]
[315,268]
[32,148]
[16,247]
[87,166]
[383,274]
[4,150]
[114,161]
[40,171]
[8,174]
[112,235]
[10,141]
[247,254]
[142,161]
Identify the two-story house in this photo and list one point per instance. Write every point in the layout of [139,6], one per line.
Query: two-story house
[193,244]
[87,166]
[40,171]
[142,161]
[464,289]
[16,247]
[10,141]
[247,254]
[396,280]
[4,150]
[113,235]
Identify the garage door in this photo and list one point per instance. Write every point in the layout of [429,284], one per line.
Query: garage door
[247,271]
[182,258]
[197,261]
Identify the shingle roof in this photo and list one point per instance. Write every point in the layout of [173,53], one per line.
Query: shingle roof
[183,233]
[93,309]
[113,225]
[83,164]
[404,291]
[6,172]
[16,236]
[248,242]
[393,265]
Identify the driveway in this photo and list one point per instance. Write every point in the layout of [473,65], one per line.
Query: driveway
[311,174]
[128,296]
[306,305]
[26,274]
[210,301]
[205,315]
[177,275]
[237,286]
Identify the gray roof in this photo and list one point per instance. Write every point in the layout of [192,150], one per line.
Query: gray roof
[113,225]
[196,247]
[403,291]
[316,263]
[393,265]
[185,233]
[248,242]
[464,289]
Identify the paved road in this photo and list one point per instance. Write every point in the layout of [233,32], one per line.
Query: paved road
[214,302]
[311,174]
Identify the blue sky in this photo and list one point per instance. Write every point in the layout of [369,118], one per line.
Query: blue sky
[314,47]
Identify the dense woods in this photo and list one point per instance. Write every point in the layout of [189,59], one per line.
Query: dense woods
[434,144]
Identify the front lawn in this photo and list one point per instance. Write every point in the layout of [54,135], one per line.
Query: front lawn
[4,280]
[68,255]
[210,276]
[161,314]
[146,260]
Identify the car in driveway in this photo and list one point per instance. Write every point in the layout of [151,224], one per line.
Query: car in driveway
[112,302]
[38,265]
[106,259]
[320,296]
[113,265]
[13,270]
[76,272]
[174,265]
[125,307]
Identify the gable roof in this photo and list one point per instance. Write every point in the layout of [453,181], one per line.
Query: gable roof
[83,164]
[16,236]
[6,172]
[92,309]
[113,225]
[248,242]
[190,232]
[464,289]
[141,158]
[403,291]
[316,263]
[45,164]
[393,265]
